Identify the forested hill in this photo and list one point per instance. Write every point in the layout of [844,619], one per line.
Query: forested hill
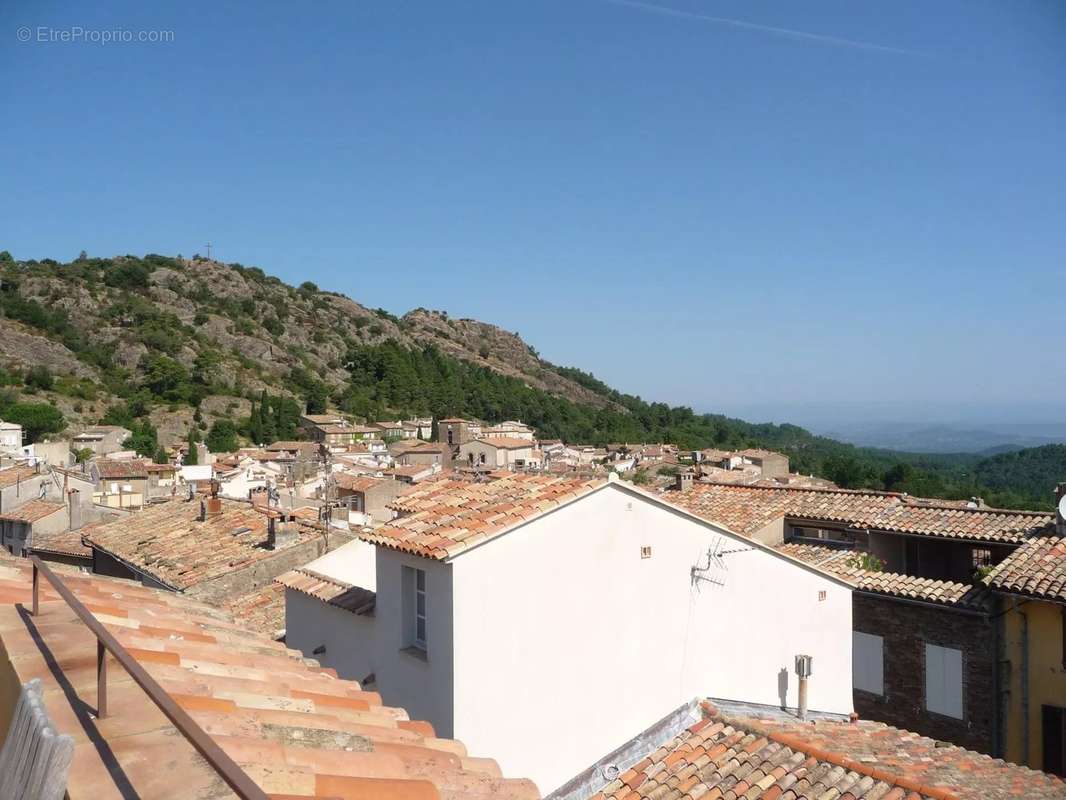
[1033,472]
[176,348]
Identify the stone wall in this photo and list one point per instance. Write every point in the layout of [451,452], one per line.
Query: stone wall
[252,577]
[906,628]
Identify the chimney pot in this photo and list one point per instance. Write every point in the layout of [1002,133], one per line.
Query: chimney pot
[213,506]
[684,480]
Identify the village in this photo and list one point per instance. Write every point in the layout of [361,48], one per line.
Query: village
[622,621]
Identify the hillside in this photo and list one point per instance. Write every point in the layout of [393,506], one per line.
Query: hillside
[176,348]
[1031,473]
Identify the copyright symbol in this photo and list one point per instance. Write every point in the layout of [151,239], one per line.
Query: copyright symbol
[24,34]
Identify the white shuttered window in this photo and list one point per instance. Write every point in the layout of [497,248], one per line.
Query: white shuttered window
[868,662]
[943,680]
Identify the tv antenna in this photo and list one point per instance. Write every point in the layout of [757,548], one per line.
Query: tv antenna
[208,246]
[713,571]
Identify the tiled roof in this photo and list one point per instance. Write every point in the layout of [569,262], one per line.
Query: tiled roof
[293,727]
[12,475]
[746,509]
[169,542]
[324,419]
[915,760]
[32,510]
[357,483]
[1036,569]
[447,516]
[742,757]
[67,543]
[329,590]
[160,468]
[506,442]
[261,610]
[344,429]
[293,445]
[844,564]
[453,419]
[121,468]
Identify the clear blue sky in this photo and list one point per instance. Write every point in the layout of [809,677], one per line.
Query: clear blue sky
[775,209]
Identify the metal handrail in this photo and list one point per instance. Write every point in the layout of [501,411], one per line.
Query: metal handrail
[237,779]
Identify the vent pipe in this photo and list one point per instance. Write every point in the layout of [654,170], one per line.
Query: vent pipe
[804,668]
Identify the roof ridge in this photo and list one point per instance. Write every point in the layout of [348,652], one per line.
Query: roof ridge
[752,726]
[912,501]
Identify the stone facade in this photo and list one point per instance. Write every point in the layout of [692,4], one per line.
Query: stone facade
[905,629]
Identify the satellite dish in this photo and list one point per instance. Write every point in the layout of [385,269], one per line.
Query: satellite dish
[1062,507]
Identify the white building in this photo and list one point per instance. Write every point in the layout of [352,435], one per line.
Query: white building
[588,610]
[10,436]
[509,429]
[497,453]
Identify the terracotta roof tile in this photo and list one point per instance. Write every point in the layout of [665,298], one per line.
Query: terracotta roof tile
[292,726]
[744,757]
[261,610]
[169,542]
[844,564]
[329,590]
[67,543]
[12,475]
[109,468]
[507,442]
[32,510]
[1036,569]
[746,509]
[357,483]
[445,517]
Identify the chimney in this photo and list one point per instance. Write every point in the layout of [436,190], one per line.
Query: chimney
[684,480]
[280,533]
[1060,509]
[212,506]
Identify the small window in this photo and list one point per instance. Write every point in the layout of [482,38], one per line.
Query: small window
[413,612]
[982,557]
[943,680]
[420,609]
[868,662]
[645,552]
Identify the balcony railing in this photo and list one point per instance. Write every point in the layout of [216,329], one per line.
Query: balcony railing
[226,767]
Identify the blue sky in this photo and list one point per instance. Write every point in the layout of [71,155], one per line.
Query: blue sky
[809,211]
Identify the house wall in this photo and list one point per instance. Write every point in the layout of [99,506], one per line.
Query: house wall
[262,572]
[568,642]
[774,466]
[11,497]
[905,629]
[1041,676]
[494,456]
[311,623]
[421,683]
[460,433]
[378,497]
[14,535]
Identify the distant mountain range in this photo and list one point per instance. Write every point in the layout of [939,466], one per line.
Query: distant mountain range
[947,438]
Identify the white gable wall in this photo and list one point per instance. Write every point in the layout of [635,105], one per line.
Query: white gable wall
[567,643]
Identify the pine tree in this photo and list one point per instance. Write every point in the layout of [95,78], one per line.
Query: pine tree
[192,458]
